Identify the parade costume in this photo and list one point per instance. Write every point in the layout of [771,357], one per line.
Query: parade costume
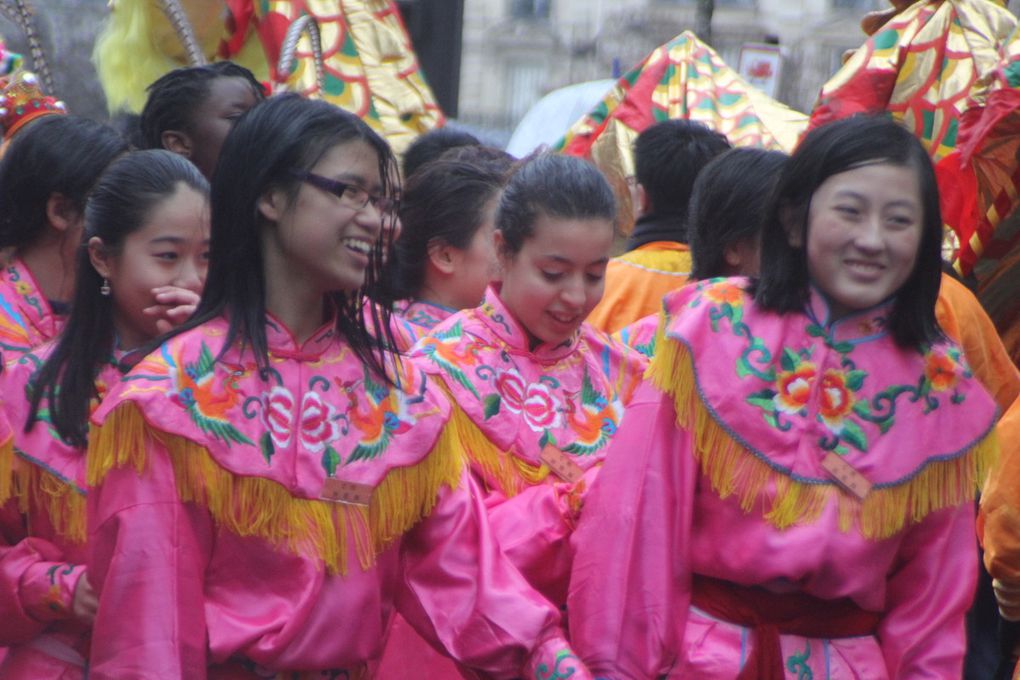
[27,318]
[960,316]
[534,423]
[412,320]
[277,522]
[655,264]
[717,537]
[42,492]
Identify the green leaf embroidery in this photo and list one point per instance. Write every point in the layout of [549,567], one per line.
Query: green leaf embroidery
[268,449]
[855,380]
[853,435]
[492,404]
[330,459]
[789,360]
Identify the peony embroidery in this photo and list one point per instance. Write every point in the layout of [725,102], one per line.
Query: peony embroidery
[941,371]
[511,389]
[318,423]
[541,408]
[793,388]
[278,415]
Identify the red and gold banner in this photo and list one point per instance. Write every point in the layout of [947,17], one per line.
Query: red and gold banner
[684,78]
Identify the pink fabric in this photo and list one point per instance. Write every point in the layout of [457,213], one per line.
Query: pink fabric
[653,519]
[179,592]
[26,319]
[640,335]
[39,567]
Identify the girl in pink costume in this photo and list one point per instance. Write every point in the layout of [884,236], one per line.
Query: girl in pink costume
[791,495]
[446,255]
[269,485]
[539,394]
[45,175]
[147,240]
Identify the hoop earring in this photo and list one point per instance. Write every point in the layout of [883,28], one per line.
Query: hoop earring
[104,289]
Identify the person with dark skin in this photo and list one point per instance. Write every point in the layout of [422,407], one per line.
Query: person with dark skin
[190,110]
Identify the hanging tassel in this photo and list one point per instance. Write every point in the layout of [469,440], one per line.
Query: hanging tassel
[254,506]
[732,469]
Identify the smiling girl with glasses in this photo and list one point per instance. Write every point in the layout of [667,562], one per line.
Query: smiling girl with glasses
[283,483]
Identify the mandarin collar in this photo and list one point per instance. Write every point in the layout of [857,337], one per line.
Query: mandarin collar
[425,313]
[283,344]
[855,328]
[502,323]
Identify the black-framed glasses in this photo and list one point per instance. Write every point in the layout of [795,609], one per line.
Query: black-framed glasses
[351,195]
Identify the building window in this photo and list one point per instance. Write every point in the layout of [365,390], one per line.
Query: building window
[525,83]
[861,5]
[530,9]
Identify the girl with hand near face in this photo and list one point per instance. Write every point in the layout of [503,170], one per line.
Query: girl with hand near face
[45,175]
[146,237]
[539,393]
[271,484]
[792,492]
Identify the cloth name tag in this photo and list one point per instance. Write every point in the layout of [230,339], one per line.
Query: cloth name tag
[558,462]
[846,476]
[351,493]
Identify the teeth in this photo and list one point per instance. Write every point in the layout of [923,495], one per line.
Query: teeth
[358,245]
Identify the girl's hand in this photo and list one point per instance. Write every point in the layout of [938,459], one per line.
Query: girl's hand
[175,306]
[85,602]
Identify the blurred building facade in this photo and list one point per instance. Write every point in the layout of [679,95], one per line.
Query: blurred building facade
[515,51]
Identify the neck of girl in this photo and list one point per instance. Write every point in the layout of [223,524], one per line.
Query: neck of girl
[51,272]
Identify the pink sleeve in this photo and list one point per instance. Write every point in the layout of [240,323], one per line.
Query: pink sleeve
[533,528]
[461,593]
[630,585]
[36,588]
[922,634]
[147,562]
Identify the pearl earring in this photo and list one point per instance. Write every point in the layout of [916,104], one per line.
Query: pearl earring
[105,288]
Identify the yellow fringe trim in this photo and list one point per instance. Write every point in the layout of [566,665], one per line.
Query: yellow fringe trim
[253,506]
[510,473]
[732,469]
[42,491]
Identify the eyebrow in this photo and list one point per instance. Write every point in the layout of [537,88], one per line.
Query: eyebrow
[559,259]
[850,193]
[175,240]
[351,178]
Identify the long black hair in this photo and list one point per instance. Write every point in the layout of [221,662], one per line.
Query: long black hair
[784,284]
[54,155]
[124,198]
[443,202]
[268,144]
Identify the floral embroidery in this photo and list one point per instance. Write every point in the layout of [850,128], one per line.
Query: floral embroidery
[535,401]
[278,415]
[542,409]
[793,388]
[842,408]
[942,369]
[564,666]
[318,426]
[510,387]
